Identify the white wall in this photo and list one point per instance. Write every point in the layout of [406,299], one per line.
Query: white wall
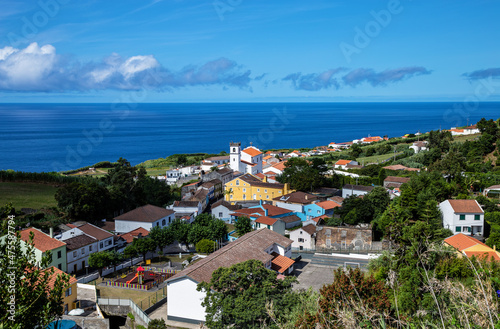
[184,301]
[82,255]
[123,226]
[290,206]
[70,234]
[221,209]
[348,192]
[300,233]
[106,244]
[451,219]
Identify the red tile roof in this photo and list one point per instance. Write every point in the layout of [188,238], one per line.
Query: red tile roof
[487,255]
[461,241]
[317,219]
[266,220]
[309,228]
[327,204]
[342,162]
[57,272]
[252,151]
[271,211]
[466,206]
[130,236]
[41,241]
[281,263]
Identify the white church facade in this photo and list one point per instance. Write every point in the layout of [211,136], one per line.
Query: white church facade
[246,161]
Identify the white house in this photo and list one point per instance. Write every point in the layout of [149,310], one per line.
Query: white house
[184,301]
[222,210]
[248,160]
[463,216]
[216,161]
[419,146]
[147,217]
[350,189]
[191,208]
[304,237]
[273,224]
[78,250]
[276,169]
[342,164]
[173,176]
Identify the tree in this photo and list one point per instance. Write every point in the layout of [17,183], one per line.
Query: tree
[494,239]
[130,252]
[100,260]
[157,324]
[115,258]
[243,225]
[162,237]
[198,233]
[180,230]
[144,245]
[84,201]
[37,301]
[356,150]
[241,292]
[302,174]
[218,229]
[205,246]
[353,291]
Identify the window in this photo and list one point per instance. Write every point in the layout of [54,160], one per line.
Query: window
[237,182]
[301,240]
[265,191]
[255,196]
[244,197]
[59,266]
[220,215]
[478,229]
[90,248]
[319,212]
[83,251]
[300,232]
[462,217]
[101,245]
[68,292]
[458,229]
[258,190]
[163,222]
[269,226]
[477,217]
[301,248]
[59,254]
[74,253]
[108,242]
[231,196]
[267,196]
[244,190]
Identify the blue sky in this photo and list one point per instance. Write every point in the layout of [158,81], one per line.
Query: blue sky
[242,50]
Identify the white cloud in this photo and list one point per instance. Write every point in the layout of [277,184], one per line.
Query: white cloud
[36,68]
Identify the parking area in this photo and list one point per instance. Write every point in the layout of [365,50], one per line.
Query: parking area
[316,270]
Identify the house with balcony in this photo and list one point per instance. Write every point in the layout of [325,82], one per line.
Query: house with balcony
[463,216]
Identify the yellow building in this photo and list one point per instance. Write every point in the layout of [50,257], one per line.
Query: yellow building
[69,295]
[468,246]
[249,187]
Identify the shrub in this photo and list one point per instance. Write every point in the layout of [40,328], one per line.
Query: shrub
[205,246]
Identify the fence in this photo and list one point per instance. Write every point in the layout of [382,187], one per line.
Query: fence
[108,270]
[138,312]
[153,299]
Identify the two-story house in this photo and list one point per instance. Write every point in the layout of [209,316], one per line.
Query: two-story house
[104,238]
[463,216]
[304,238]
[45,244]
[79,248]
[249,187]
[295,201]
[320,208]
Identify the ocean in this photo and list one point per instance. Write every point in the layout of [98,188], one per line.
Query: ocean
[55,137]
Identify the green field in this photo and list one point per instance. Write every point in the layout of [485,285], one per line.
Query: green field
[27,195]
[375,158]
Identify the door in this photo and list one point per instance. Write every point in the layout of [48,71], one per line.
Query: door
[75,268]
[83,265]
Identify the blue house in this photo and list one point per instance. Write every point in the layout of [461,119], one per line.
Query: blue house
[320,208]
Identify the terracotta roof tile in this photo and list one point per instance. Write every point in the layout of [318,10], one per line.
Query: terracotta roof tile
[281,263]
[41,241]
[57,273]
[130,236]
[466,206]
[252,151]
[396,179]
[487,255]
[266,220]
[328,204]
[461,241]
[342,162]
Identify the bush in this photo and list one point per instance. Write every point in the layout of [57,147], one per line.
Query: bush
[205,246]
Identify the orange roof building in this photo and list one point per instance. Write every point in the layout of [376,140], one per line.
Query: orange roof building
[44,244]
[248,160]
[469,246]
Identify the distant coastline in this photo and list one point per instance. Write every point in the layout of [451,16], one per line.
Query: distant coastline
[57,137]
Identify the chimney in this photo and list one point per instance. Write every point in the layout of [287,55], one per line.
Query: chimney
[51,232]
[306,196]
[264,179]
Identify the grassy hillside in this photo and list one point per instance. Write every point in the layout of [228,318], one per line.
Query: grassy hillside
[27,195]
